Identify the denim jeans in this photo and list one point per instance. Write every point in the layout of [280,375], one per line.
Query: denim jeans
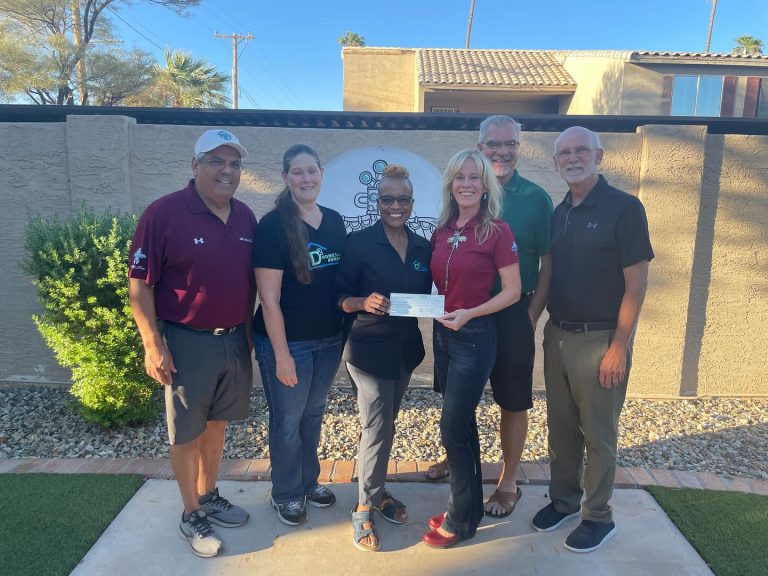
[296,413]
[463,362]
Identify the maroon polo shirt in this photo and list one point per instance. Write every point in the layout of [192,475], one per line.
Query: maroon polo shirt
[200,267]
[473,267]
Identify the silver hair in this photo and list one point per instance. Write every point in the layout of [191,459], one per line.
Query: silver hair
[501,121]
[593,137]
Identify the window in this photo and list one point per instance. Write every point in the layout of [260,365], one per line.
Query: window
[697,95]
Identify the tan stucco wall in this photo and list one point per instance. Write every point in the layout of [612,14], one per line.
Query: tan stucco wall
[598,84]
[642,92]
[702,329]
[380,79]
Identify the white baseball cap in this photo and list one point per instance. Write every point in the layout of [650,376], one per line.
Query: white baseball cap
[212,139]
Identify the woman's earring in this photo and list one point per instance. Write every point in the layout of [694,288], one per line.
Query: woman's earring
[485,195]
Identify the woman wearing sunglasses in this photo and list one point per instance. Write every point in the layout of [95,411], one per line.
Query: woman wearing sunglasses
[381,351]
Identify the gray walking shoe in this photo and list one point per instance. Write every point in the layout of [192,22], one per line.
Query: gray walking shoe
[200,534]
[320,496]
[221,511]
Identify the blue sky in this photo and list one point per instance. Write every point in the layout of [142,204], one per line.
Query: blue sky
[294,62]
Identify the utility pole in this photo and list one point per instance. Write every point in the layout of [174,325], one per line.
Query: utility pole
[236,39]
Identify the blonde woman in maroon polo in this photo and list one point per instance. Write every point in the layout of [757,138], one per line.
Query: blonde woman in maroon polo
[471,247]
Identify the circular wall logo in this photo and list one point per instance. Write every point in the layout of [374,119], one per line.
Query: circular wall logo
[351,187]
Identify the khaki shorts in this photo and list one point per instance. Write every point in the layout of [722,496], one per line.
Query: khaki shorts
[213,380]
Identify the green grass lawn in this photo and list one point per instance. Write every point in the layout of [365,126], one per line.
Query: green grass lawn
[50,521]
[728,529]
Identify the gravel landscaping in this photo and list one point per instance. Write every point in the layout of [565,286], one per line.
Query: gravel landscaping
[727,436]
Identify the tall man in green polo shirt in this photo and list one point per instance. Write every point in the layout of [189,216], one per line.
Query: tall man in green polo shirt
[528,211]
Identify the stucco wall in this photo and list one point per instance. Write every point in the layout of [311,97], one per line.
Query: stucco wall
[380,79]
[702,331]
[599,84]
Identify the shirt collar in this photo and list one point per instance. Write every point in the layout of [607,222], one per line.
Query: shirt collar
[594,195]
[196,204]
[380,236]
[513,184]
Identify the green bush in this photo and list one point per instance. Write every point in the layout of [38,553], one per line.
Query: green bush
[80,268]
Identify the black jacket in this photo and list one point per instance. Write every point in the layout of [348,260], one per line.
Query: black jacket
[377,344]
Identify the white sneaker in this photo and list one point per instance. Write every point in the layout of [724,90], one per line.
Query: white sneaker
[200,534]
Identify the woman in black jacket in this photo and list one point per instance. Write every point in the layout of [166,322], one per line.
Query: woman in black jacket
[381,351]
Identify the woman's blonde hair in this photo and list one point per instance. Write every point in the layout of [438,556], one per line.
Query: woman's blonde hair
[490,205]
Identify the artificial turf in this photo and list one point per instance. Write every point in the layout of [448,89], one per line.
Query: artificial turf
[50,521]
[729,530]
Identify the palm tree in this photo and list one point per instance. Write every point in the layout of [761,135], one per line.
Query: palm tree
[351,39]
[469,23]
[711,24]
[188,83]
[748,45]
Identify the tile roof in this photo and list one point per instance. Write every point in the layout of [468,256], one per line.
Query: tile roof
[700,55]
[529,69]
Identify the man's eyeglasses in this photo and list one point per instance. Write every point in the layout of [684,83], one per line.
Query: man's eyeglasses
[581,152]
[218,164]
[494,145]
[388,201]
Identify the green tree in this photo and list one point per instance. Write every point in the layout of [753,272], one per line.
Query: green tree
[58,36]
[748,45]
[186,82]
[114,76]
[352,39]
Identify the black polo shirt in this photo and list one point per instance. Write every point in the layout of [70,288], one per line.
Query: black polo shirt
[376,344]
[592,243]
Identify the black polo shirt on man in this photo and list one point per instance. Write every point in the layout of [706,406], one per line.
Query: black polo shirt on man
[376,344]
[309,310]
[592,243]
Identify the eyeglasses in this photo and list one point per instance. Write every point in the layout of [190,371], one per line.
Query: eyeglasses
[388,201]
[494,145]
[218,164]
[581,152]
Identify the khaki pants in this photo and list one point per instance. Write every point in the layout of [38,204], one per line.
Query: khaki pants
[581,415]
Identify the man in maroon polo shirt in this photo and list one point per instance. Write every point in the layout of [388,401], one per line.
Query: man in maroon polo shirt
[192,291]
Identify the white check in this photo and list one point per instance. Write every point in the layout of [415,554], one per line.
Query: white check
[418,305]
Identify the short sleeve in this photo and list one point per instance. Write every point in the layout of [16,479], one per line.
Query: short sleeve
[269,247]
[148,247]
[505,246]
[544,228]
[633,237]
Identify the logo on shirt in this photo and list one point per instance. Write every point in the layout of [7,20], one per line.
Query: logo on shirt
[244,239]
[320,257]
[591,225]
[200,240]
[419,267]
[514,247]
[138,256]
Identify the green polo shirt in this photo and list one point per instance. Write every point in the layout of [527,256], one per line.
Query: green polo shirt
[528,210]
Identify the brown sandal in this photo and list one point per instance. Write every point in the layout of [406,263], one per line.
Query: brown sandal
[507,501]
[438,471]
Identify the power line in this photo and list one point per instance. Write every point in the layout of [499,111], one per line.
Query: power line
[134,29]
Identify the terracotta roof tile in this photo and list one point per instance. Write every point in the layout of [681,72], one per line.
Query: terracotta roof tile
[492,68]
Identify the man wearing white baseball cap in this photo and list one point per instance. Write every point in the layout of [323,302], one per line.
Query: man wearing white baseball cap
[192,294]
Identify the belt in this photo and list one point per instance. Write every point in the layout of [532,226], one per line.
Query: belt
[214,331]
[582,327]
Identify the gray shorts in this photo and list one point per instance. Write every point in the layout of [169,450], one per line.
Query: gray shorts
[213,380]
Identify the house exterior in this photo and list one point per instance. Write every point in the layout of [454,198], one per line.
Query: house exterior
[591,82]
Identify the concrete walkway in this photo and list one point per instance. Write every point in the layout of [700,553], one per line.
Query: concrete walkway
[143,539]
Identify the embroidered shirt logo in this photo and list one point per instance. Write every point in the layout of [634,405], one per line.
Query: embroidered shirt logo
[138,256]
[200,240]
[591,225]
[321,257]
[419,267]
[244,239]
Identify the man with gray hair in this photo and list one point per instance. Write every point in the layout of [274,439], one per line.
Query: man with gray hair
[527,209]
[192,292]
[600,255]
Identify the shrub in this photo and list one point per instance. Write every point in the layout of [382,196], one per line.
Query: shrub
[80,268]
